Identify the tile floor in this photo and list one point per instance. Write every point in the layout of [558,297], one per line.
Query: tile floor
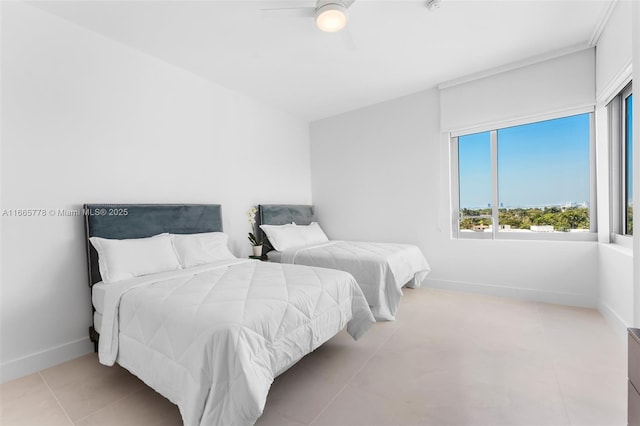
[449,359]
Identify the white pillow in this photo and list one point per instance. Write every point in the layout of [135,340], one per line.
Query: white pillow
[283,237]
[313,234]
[198,249]
[124,259]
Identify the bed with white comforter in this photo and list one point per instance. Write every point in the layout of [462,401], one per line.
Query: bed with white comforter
[381,269]
[212,338]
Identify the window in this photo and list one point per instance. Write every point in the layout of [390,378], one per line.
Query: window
[528,181]
[628,164]
[621,125]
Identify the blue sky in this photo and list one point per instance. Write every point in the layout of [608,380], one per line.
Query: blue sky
[543,163]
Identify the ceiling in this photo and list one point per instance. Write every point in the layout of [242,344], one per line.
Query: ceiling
[396,47]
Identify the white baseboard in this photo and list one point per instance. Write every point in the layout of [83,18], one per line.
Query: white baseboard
[40,360]
[617,323]
[534,295]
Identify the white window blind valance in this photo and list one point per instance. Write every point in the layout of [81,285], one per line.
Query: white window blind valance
[613,58]
[563,83]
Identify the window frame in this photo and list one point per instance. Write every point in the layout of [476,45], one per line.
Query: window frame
[617,112]
[456,233]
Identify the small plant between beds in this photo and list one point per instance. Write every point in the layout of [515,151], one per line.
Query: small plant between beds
[255,242]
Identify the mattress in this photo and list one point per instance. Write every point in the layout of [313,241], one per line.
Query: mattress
[97,296]
[212,340]
[97,321]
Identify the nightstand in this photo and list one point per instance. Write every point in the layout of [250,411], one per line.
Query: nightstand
[262,258]
[633,401]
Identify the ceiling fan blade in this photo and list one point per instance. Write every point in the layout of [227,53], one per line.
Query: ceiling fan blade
[345,3]
[347,38]
[348,3]
[289,12]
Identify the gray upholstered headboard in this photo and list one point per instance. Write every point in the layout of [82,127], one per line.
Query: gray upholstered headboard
[281,214]
[121,221]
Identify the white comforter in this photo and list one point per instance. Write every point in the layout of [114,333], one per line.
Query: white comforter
[212,338]
[381,269]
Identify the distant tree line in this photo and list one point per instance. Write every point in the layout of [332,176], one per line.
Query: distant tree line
[562,219]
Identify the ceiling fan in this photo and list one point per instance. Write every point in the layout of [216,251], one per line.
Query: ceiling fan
[330,15]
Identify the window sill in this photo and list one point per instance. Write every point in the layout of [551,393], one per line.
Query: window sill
[533,236]
[624,242]
[616,248]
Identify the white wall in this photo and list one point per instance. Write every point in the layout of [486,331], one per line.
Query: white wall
[615,296]
[86,119]
[382,174]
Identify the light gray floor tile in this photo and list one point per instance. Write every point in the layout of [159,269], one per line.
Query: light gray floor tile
[28,401]
[142,408]
[84,386]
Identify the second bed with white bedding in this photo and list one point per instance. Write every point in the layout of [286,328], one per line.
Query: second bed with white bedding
[381,269]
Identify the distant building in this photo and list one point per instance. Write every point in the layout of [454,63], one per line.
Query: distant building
[573,204]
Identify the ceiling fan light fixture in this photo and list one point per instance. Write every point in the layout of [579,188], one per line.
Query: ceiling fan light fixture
[331,17]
